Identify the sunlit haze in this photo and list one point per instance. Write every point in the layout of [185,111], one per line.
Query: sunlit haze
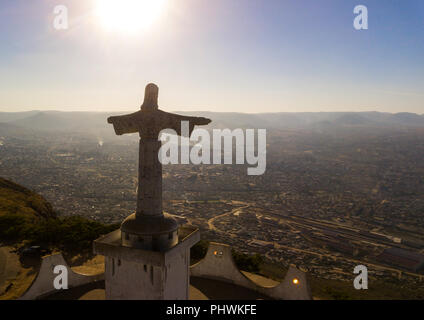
[128,16]
[222,55]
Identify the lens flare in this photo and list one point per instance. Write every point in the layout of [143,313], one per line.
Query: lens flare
[128,16]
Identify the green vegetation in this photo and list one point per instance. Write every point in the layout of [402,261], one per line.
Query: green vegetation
[250,263]
[66,234]
[27,218]
[272,270]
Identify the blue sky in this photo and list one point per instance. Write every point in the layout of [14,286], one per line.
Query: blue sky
[220,55]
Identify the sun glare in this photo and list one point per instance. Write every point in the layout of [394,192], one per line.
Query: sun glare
[128,16]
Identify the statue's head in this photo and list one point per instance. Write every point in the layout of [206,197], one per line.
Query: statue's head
[150,97]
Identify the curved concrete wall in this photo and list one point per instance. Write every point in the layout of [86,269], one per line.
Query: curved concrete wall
[219,264]
[43,284]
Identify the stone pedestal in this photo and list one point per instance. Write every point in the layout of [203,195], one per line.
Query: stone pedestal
[149,257]
[137,274]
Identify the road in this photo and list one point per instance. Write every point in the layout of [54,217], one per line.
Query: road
[279,246]
[211,221]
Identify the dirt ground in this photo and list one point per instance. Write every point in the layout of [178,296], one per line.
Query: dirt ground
[14,278]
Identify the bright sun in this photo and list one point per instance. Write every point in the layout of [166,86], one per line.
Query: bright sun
[128,16]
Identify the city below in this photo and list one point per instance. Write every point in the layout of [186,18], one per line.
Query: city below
[332,197]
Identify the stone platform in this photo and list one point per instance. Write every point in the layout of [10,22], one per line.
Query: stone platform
[137,274]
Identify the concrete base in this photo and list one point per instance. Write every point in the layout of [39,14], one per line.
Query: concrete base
[136,274]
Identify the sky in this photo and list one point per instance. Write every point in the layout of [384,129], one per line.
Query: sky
[223,55]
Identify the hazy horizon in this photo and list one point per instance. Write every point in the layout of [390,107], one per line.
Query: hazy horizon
[239,56]
[204,111]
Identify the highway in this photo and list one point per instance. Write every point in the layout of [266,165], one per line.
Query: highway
[211,221]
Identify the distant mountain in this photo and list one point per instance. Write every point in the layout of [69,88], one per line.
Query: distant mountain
[46,122]
[95,123]
[310,120]
[8,129]
[409,118]
[63,121]
[13,116]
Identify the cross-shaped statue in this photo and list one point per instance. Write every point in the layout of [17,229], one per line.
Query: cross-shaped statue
[149,122]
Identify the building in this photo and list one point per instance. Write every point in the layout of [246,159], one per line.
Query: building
[408,260]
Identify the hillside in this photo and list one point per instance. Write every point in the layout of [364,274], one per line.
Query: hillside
[26,218]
